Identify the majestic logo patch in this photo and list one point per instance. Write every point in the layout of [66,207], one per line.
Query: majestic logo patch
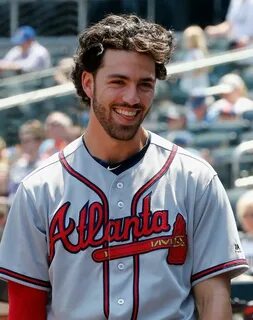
[237,247]
[141,227]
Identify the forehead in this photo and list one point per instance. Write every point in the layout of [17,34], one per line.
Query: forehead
[128,63]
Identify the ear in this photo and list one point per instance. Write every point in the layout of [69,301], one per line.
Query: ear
[88,83]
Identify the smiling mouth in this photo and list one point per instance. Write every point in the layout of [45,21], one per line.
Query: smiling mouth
[126,113]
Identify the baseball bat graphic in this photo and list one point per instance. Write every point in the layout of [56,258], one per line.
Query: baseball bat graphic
[138,247]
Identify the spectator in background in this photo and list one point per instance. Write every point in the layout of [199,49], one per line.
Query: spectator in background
[4,168]
[194,43]
[31,135]
[197,108]
[233,101]
[4,208]
[63,70]
[74,132]
[238,25]
[3,154]
[175,116]
[57,128]
[27,55]
[244,212]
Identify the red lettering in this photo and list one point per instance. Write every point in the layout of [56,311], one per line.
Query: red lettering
[160,221]
[113,230]
[63,232]
[93,231]
[146,216]
[131,223]
[81,228]
[155,223]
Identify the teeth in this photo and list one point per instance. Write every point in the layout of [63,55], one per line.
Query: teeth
[126,113]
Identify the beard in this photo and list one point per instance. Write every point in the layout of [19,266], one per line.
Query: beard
[113,129]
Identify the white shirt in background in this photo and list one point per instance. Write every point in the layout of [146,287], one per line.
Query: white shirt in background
[36,58]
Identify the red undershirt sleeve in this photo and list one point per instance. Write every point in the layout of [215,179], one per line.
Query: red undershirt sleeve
[26,302]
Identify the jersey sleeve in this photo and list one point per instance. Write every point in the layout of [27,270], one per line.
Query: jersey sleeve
[23,248]
[217,248]
[26,302]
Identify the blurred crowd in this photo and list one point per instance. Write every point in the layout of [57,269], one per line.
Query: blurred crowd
[37,141]
[208,99]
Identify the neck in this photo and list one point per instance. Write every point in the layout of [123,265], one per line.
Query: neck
[108,149]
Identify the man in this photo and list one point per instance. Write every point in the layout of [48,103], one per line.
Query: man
[238,25]
[27,55]
[244,214]
[31,136]
[122,224]
[233,101]
[58,127]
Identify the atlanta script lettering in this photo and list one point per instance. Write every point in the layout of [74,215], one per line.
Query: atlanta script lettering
[91,222]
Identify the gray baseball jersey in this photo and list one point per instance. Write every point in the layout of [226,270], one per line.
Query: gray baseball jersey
[127,246]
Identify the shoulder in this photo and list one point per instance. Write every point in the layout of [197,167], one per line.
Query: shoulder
[245,101]
[13,52]
[187,172]
[184,159]
[37,47]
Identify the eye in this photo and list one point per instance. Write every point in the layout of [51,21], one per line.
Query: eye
[118,82]
[147,85]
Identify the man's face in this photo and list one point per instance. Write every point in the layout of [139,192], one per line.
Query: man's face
[29,143]
[25,45]
[122,93]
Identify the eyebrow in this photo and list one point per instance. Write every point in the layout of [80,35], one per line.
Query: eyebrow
[120,76]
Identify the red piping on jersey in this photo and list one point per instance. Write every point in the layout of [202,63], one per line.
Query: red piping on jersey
[103,198]
[219,267]
[135,200]
[18,276]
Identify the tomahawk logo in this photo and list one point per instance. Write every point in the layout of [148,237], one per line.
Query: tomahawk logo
[142,229]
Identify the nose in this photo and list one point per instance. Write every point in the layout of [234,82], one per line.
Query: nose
[131,95]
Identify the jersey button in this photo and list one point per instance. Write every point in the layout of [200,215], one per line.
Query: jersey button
[120,185]
[120,204]
[121,266]
[121,301]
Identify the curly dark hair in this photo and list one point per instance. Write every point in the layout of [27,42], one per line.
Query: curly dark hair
[126,32]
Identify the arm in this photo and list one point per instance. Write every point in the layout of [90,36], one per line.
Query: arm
[218,30]
[9,66]
[212,298]
[26,302]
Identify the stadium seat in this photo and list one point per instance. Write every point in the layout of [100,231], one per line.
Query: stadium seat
[246,136]
[248,115]
[238,126]
[242,290]
[197,128]
[242,161]
[222,162]
[211,140]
